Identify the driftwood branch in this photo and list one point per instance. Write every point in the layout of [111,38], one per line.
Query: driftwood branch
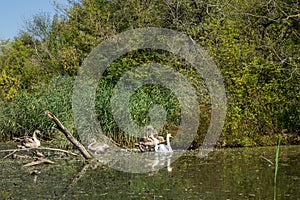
[10,154]
[39,161]
[39,148]
[69,136]
[59,150]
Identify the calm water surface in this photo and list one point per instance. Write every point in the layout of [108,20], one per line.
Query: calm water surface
[241,173]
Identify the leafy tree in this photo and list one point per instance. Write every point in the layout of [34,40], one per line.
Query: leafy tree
[254,43]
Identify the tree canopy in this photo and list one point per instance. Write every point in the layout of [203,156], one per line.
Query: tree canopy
[254,43]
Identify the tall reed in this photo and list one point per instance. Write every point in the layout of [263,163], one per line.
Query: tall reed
[276,168]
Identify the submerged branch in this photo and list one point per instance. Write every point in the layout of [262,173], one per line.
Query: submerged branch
[76,179]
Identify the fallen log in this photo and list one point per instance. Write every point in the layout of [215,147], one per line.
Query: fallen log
[69,136]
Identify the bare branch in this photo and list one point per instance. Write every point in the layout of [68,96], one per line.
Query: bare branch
[69,136]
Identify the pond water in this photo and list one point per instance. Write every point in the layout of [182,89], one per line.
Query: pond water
[239,173]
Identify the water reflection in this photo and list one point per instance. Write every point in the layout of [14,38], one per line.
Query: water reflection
[136,162]
[224,174]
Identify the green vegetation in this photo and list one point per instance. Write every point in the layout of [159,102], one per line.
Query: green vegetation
[255,44]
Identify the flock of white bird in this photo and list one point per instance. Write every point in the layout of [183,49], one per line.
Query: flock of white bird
[154,141]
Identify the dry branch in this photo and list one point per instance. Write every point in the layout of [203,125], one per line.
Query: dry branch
[39,161]
[39,148]
[69,136]
[9,154]
[17,156]
[59,150]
